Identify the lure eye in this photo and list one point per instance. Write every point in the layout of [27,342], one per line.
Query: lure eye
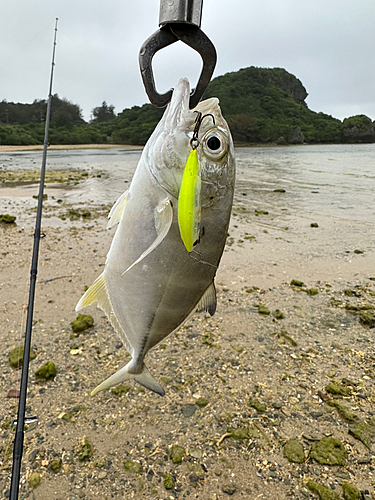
[214,144]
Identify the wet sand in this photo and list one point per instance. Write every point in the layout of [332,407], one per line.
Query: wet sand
[239,386]
[59,147]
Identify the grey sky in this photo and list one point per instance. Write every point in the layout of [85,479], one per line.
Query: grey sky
[328,44]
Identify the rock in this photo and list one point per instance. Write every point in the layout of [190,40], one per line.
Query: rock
[84,450]
[323,492]
[358,129]
[202,402]
[177,453]
[195,453]
[169,482]
[16,356]
[7,219]
[296,136]
[314,224]
[328,451]
[132,466]
[367,319]
[294,451]
[350,492]
[56,464]
[364,432]
[229,489]
[13,393]
[189,411]
[338,389]
[35,480]
[82,322]
[47,371]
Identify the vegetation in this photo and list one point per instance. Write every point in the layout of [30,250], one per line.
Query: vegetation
[261,106]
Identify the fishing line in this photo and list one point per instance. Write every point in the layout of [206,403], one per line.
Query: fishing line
[21,419]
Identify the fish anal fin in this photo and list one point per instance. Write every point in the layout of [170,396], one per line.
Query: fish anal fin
[117,210]
[208,300]
[96,292]
[163,221]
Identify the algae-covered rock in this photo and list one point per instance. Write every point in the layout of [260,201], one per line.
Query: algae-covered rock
[7,219]
[229,489]
[277,314]
[328,451]
[296,283]
[47,371]
[257,405]
[367,319]
[338,389]
[323,492]
[294,451]
[35,480]
[120,390]
[365,432]
[312,291]
[344,411]
[238,433]
[82,322]
[16,356]
[202,402]
[56,464]
[314,224]
[350,492]
[177,453]
[132,466]
[169,482]
[263,310]
[84,450]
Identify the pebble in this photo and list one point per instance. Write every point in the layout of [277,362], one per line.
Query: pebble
[189,410]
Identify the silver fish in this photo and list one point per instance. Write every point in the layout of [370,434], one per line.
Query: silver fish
[151,283]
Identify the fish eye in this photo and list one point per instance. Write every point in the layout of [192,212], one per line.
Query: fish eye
[214,144]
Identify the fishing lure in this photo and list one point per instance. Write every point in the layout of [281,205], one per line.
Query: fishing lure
[189,199]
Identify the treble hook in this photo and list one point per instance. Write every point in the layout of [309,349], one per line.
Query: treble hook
[179,20]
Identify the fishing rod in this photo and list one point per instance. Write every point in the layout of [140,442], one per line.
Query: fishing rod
[19,435]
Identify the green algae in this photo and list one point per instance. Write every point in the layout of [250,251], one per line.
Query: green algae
[260,212]
[367,319]
[296,283]
[7,219]
[314,224]
[344,411]
[56,465]
[263,310]
[84,450]
[82,322]
[312,291]
[169,482]
[177,453]
[257,405]
[133,467]
[350,492]
[120,390]
[294,451]
[323,492]
[338,389]
[35,480]
[47,371]
[277,314]
[364,432]
[328,451]
[284,335]
[16,356]
[202,402]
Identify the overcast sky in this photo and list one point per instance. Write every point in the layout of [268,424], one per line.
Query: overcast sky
[328,44]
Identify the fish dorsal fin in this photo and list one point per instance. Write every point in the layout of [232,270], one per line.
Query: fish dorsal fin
[117,210]
[189,202]
[98,293]
[163,221]
[208,300]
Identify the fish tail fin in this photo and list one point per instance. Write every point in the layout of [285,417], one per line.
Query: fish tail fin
[144,378]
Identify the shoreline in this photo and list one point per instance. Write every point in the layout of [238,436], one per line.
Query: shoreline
[58,147]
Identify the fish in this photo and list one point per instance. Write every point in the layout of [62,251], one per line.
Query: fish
[163,260]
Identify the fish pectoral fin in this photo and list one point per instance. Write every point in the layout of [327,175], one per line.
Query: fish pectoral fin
[117,210]
[96,292]
[123,374]
[163,221]
[208,300]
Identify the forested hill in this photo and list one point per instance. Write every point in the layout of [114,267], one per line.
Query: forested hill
[261,106]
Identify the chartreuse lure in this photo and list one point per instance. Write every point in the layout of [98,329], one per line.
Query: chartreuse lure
[189,201]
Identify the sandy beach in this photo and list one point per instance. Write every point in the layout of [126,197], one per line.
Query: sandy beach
[272,398]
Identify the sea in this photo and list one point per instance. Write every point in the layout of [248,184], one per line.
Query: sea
[307,202]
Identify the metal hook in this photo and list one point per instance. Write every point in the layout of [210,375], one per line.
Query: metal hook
[194,141]
[192,36]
